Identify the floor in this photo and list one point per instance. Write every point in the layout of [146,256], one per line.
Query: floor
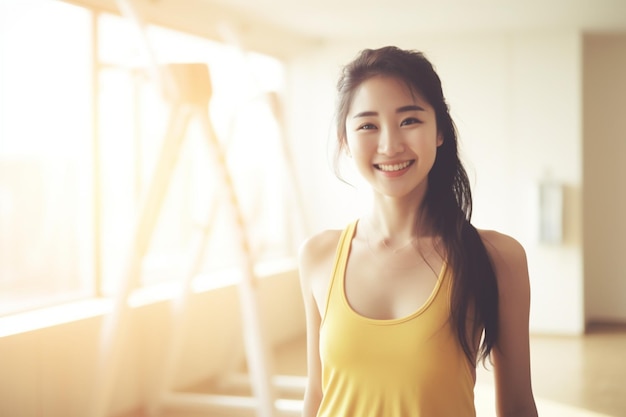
[579,373]
[572,376]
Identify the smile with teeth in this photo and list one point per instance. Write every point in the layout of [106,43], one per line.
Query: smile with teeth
[393,167]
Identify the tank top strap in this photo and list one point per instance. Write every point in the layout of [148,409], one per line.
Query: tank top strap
[339,265]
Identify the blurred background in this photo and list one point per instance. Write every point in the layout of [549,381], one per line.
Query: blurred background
[537,90]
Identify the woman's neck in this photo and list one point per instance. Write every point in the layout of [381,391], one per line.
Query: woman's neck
[396,221]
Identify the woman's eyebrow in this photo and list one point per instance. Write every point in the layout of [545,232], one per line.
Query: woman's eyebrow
[365,114]
[403,109]
[412,107]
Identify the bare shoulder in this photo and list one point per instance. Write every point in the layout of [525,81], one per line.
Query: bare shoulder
[507,255]
[316,257]
[503,246]
[317,252]
[318,247]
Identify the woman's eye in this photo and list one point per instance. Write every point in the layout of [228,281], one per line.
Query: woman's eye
[367,126]
[410,121]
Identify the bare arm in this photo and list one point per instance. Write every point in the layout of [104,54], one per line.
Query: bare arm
[313,390]
[511,354]
[309,268]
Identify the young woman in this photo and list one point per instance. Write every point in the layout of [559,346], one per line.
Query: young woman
[404,302]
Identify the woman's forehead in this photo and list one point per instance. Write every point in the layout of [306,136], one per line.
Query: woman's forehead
[383,91]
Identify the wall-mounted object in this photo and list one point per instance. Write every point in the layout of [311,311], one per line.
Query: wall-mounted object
[551,212]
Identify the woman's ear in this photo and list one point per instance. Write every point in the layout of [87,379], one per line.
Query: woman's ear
[439,139]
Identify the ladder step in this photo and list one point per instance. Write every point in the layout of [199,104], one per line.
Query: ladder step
[230,405]
[287,384]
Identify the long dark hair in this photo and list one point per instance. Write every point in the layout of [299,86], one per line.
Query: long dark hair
[448,200]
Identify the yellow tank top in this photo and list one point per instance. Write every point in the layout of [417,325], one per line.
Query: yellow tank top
[407,367]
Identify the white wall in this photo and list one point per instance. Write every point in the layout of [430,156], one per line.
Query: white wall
[605,177]
[516,99]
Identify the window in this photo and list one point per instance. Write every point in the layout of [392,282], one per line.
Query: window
[74,166]
[45,154]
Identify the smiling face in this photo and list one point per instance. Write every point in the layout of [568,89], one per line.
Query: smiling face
[391,133]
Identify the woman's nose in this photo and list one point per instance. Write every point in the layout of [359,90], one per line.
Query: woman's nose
[390,143]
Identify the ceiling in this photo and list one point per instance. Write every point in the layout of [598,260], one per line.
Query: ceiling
[330,19]
[286,27]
